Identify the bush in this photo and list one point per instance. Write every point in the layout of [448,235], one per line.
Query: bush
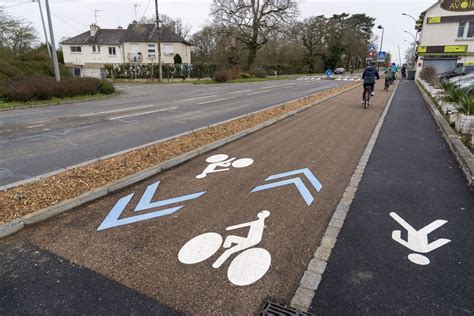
[429,75]
[245,76]
[454,95]
[222,75]
[45,88]
[466,104]
[106,87]
[258,73]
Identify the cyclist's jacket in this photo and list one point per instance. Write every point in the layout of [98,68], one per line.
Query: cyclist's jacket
[370,74]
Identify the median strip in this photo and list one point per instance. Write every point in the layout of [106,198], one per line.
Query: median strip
[60,192]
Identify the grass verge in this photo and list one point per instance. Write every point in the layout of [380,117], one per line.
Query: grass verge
[54,101]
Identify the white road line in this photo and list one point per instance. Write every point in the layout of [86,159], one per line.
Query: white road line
[260,92]
[141,113]
[241,91]
[45,129]
[193,99]
[270,87]
[212,101]
[119,110]
[33,126]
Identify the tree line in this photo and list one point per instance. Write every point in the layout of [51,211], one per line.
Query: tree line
[248,34]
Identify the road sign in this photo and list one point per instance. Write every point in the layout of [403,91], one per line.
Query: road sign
[381,56]
[145,203]
[296,181]
[417,240]
[371,48]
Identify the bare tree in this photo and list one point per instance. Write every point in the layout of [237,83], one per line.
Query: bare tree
[176,25]
[254,19]
[17,35]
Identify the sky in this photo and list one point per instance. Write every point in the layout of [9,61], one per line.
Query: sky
[72,17]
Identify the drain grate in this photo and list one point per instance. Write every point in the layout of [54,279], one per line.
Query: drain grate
[274,309]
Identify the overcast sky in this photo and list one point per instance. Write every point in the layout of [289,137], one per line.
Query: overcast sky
[72,17]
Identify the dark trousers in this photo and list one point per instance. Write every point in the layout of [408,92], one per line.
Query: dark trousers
[372,87]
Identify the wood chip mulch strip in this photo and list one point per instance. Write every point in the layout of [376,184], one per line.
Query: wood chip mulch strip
[25,199]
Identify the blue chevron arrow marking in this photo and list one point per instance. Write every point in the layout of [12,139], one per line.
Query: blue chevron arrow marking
[307,196]
[145,203]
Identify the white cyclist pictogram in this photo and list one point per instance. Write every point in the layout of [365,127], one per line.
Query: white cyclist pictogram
[224,163]
[247,267]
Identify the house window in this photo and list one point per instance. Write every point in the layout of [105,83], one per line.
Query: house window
[76,49]
[462,27]
[112,51]
[151,51]
[470,30]
[95,49]
[169,49]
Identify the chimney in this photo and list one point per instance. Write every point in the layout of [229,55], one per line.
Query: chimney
[120,27]
[94,29]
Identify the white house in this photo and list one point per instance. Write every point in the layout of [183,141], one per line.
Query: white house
[447,35]
[87,53]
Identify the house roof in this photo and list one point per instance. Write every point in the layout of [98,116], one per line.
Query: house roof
[102,37]
[135,33]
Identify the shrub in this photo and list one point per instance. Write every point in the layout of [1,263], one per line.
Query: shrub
[258,73]
[245,76]
[177,59]
[429,75]
[45,88]
[222,75]
[454,95]
[466,105]
[106,87]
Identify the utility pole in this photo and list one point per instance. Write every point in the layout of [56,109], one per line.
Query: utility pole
[44,28]
[53,45]
[136,6]
[380,27]
[159,39]
[399,56]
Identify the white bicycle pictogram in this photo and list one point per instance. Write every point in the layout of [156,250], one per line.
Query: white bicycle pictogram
[247,267]
[223,161]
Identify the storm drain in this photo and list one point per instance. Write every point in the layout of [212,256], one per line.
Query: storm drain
[275,309]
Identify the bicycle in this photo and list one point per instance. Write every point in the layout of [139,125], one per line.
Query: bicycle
[367,95]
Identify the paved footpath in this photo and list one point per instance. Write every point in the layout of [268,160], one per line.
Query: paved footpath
[412,182]
[198,243]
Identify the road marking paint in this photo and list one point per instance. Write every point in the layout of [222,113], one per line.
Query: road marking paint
[270,87]
[260,92]
[225,163]
[118,110]
[141,113]
[33,126]
[193,99]
[212,101]
[417,240]
[249,266]
[46,129]
[145,203]
[241,91]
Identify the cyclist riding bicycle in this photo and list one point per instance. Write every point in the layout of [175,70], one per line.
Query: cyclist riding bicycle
[389,77]
[370,75]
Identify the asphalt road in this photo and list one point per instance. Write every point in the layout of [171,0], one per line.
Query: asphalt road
[412,173]
[40,140]
[149,242]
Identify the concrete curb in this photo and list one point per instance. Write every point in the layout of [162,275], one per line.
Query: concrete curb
[44,214]
[463,155]
[309,283]
[52,173]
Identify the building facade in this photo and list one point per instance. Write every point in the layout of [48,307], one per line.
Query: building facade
[86,54]
[447,36]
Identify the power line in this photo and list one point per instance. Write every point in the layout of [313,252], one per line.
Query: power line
[147,6]
[65,22]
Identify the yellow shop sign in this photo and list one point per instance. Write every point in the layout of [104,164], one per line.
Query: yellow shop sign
[455,49]
[422,49]
[434,20]
[458,5]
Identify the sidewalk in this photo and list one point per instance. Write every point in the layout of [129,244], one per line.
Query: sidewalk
[412,173]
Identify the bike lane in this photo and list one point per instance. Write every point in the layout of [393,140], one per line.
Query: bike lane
[407,245]
[161,239]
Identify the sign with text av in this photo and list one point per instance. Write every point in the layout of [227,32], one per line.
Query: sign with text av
[458,5]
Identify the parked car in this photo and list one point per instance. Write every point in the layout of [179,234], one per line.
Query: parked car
[467,84]
[458,71]
[339,71]
[456,80]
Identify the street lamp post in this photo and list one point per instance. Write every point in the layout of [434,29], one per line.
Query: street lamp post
[159,42]
[380,27]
